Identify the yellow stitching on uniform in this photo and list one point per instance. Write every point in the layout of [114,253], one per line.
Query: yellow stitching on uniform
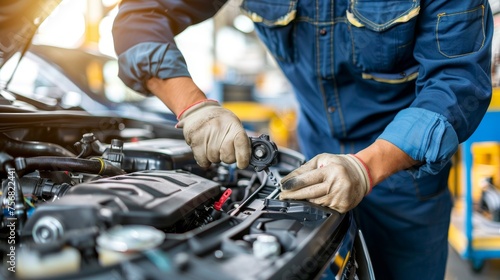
[413,13]
[284,20]
[407,17]
[378,26]
[440,15]
[254,17]
[390,81]
[354,21]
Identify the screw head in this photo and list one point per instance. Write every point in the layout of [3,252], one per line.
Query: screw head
[260,151]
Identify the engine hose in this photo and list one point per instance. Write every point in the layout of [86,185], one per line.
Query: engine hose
[31,148]
[93,166]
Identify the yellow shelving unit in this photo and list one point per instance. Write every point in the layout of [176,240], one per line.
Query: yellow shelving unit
[478,157]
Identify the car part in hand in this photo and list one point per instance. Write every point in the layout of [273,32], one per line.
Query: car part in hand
[264,155]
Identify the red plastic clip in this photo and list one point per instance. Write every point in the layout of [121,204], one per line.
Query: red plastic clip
[222,199]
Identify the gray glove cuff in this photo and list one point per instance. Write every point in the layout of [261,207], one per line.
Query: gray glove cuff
[362,169]
[197,105]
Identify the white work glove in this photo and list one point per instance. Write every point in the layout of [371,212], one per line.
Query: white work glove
[336,181]
[215,134]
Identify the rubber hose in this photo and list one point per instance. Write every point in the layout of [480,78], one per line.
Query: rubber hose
[93,166]
[31,148]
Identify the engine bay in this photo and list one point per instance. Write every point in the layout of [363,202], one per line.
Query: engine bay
[129,199]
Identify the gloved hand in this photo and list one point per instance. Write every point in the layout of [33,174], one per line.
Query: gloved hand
[215,134]
[336,181]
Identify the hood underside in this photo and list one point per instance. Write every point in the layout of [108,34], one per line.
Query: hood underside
[19,20]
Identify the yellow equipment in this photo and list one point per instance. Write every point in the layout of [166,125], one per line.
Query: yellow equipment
[265,119]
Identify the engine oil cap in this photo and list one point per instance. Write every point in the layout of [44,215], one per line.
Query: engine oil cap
[130,238]
[266,246]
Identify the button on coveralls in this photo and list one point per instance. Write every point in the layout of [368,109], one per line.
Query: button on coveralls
[413,72]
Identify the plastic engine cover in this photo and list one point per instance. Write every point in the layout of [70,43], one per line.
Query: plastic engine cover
[155,198]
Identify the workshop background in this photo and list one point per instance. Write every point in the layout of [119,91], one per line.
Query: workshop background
[229,64]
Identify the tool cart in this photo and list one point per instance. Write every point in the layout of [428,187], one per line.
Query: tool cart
[474,232]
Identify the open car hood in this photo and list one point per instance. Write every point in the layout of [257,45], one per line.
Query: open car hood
[19,20]
[105,197]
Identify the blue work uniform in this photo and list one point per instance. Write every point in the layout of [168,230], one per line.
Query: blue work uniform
[413,72]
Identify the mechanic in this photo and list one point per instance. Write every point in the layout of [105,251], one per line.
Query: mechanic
[387,90]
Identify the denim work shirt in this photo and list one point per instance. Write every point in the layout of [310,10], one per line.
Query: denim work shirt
[413,72]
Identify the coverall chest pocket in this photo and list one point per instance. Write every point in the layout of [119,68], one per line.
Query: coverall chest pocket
[382,34]
[273,22]
[468,24]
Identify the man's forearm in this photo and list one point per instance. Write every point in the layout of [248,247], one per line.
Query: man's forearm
[384,159]
[177,93]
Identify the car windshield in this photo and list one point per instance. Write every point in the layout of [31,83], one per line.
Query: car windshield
[50,78]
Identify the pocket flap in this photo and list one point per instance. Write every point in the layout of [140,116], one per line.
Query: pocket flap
[270,12]
[381,15]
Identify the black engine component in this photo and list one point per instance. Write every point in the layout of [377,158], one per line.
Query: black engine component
[162,199]
[46,186]
[264,152]
[158,154]
[89,145]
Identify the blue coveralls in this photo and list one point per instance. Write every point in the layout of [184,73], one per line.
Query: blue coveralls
[413,72]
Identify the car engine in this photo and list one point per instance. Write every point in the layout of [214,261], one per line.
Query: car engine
[128,201]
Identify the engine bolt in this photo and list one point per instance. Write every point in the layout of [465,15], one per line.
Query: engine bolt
[260,151]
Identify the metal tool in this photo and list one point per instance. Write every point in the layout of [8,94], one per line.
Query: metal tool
[264,155]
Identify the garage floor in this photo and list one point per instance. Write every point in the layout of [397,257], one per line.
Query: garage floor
[460,269]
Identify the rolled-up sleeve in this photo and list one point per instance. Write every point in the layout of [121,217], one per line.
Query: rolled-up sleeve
[143,34]
[453,89]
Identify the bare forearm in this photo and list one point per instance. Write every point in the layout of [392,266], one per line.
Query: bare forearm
[384,159]
[177,93]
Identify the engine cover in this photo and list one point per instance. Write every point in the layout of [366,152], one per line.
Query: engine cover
[155,198]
